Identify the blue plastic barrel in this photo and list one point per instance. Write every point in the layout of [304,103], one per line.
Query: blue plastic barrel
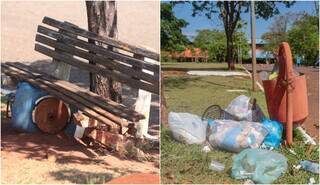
[23,105]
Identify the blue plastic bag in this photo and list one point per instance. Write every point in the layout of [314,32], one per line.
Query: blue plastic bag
[235,136]
[275,129]
[23,105]
[261,166]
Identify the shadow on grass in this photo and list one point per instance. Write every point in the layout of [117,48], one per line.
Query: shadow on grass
[81,177]
[180,82]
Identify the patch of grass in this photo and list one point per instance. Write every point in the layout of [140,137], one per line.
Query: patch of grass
[194,94]
[293,176]
[185,66]
[181,163]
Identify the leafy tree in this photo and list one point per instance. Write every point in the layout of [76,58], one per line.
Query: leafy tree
[303,38]
[171,35]
[278,30]
[215,42]
[229,12]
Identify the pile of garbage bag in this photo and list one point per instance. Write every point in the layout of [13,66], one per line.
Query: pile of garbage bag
[243,110]
[245,127]
[235,136]
[241,128]
[187,128]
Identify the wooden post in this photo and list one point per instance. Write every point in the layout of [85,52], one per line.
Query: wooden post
[253,46]
[62,70]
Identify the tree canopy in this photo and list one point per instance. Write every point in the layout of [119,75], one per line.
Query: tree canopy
[171,34]
[300,30]
[277,32]
[303,38]
[229,12]
[215,42]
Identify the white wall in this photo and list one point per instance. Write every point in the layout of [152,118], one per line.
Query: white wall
[138,23]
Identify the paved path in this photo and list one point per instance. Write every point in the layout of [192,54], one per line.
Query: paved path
[216,73]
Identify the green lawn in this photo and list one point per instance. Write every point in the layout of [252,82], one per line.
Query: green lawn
[185,66]
[181,163]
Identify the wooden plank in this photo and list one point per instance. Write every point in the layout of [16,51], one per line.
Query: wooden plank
[96,69]
[100,50]
[97,59]
[88,111]
[105,40]
[75,96]
[62,70]
[109,105]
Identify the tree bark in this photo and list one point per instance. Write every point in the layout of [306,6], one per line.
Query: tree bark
[102,19]
[230,12]
[230,51]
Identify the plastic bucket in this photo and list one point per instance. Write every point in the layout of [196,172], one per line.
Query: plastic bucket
[275,91]
[276,100]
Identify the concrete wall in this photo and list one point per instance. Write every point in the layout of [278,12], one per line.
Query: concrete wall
[138,23]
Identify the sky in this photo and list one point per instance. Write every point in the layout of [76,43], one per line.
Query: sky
[184,11]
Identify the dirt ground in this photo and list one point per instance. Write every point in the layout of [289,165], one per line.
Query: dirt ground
[24,160]
[311,125]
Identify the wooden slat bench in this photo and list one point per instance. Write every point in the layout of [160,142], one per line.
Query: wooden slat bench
[69,45]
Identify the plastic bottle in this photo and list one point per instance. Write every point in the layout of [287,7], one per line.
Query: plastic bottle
[310,166]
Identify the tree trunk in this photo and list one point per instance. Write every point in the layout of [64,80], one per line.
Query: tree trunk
[102,19]
[230,51]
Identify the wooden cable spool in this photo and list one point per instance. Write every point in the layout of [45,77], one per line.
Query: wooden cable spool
[50,114]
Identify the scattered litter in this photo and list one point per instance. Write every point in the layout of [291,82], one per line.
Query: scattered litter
[311,181]
[273,75]
[307,139]
[292,151]
[217,73]
[248,181]
[261,166]
[206,149]
[265,147]
[235,136]
[242,109]
[216,166]
[275,129]
[297,167]
[187,128]
[310,166]
[264,75]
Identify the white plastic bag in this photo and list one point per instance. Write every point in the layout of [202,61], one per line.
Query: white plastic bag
[187,128]
[234,136]
[243,110]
